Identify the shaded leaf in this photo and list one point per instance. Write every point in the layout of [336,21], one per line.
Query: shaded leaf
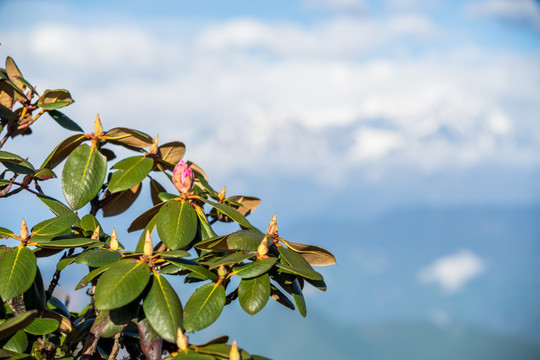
[230,259]
[296,264]
[119,202]
[62,151]
[55,206]
[155,189]
[34,297]
[65,242]
[91,275]
[151,342]
[194,267]
[130,172]
[58,306]
[253,293]
[313,254]
[65,121]
[129,137]
[204,307]
[142,220]
[44,174]
[90,223]
[83,175]
[248,205]
[218,243]
[172,152]
[17,271]
[121,284]
[163,308]
[14,73]
[16,323]
[298,297]
[177,224]
[280,297]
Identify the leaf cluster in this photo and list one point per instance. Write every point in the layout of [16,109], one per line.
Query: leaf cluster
[132,302]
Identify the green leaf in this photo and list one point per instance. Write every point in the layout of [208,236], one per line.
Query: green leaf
[17,271]
[17,343]
[248,240]
[62,151]
[42,326]
[253,293]
[280,297]
[222,350]
[205,228]
[55,225]
[90,223]
[163,308]
[194,267]
[108,323]
[10,157]
[192,355]
[97,257]
[204,307]
[131,171]
[23,167]
[230,212]
[230,259]
[91,275]
[65,121]
[121,284]
[6,233]
[83,175]
[44,174]
[149,227]
[7,114]
[55,206]
[164,196]
[298,297]
[54,105]
[65,242]
[217,243]
[16,323]
[177,224]
[296,264]
[255,268]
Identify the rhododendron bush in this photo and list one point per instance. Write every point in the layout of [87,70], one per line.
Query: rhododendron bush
[131,302]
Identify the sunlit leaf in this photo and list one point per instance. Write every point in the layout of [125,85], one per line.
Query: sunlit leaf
[253,293]
[62,151]
[128,137]
[254,268]
[42,326]
[313,254]
[130,172]
[17,271]
[204,307]
[177,224]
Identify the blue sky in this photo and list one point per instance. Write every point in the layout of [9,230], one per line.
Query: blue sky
[327,109]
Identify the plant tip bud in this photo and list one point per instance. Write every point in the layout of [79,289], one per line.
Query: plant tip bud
[154,147]
[221,195]
[95,234]
[181,340]
[98,128]
[272,227]
[234,354]
[113,244]
[262,249]
[222,271]
[183,177]
[24,230]
[148,247]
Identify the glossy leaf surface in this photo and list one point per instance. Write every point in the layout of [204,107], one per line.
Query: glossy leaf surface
[130,172]
[253,294]
[83,175]
[204,307]
[177,224]
[121,284]
[17,271]
[163,308]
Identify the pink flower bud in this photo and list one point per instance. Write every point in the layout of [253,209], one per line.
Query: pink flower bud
[183,177]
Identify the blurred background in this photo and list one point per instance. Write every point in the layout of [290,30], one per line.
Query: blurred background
[402,135]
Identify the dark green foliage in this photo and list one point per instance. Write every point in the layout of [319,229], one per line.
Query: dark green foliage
[131,301]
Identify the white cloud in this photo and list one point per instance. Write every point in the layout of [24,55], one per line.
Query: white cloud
[453,272]
[278,95]
[515,10]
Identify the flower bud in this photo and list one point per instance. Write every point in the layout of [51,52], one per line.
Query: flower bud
[148,247]
[221,195]
[222,271]
[154,147]
[24,230]
[181,340]
[234,354]
[113,244]
[272,227]
[183,177]
[263,247]
[95,234]
[98,128]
